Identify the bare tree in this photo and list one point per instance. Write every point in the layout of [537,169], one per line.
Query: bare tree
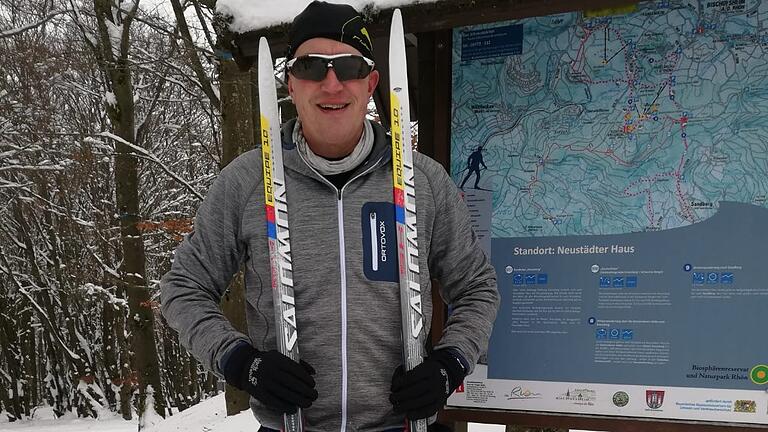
[107,143]
[114,19]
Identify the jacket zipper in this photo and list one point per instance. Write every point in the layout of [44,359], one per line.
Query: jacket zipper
[374,243]
[343,273]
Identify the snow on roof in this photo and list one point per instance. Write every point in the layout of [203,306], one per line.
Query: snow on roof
[260,14]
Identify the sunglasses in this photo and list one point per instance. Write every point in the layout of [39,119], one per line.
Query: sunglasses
[314,67]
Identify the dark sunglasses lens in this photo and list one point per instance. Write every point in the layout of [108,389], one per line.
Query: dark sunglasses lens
[310,68]
[349,68]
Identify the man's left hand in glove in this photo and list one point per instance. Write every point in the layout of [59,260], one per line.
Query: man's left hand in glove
[419,393]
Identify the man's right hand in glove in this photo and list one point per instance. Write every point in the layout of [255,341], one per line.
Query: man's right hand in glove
[272,378]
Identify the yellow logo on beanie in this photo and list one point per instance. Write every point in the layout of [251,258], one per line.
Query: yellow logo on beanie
[364,41]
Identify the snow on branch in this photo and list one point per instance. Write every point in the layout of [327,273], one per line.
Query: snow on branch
[154,159]
[12,32]
[42,314]
[13,185]
[5,375]
[109,270]
[111,298]
[32,168]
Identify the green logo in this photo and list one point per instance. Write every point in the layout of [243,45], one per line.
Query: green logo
[759,374]
[364,31]
[620,399]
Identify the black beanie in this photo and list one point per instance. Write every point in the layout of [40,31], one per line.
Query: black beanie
[331,21]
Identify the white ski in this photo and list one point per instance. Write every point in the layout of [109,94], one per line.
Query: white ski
[277,220]
[405,207]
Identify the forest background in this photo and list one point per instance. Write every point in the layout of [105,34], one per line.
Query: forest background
[115,118]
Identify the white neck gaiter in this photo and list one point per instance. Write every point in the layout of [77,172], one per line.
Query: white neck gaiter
[331,167]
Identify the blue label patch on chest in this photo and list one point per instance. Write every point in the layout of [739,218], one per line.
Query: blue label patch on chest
[379,241]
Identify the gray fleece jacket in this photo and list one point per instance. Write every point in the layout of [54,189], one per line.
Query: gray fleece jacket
[343,245]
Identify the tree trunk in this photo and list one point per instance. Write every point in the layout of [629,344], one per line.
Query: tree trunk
[237,137]
[233,306]
[111,367]
[195,387]
[82,370]
[30,368]
[7,394]
[191,54]
[55,337]
[141,321]
[237,128]
[116,357]
[115,65]
[175,370]
[5,379]
[10,345]
[128,380]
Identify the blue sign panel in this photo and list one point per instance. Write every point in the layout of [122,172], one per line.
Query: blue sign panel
[492,42]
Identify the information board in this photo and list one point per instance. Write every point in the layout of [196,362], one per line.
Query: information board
[616,167]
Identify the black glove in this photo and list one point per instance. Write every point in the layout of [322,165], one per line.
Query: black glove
[274,379]
[422,391]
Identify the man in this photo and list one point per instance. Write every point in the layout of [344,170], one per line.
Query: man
[339,191]
[474,161]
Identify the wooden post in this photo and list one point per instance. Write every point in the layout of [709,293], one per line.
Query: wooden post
[237,137]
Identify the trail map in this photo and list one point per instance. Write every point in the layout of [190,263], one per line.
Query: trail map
[615,124]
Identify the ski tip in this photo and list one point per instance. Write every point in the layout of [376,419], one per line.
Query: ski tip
[264,46]
[397,17]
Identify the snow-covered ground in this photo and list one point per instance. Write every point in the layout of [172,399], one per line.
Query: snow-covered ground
[207,416]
